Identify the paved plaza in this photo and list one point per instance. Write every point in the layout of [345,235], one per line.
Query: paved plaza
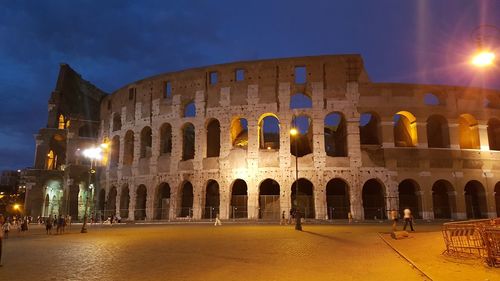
[234,252]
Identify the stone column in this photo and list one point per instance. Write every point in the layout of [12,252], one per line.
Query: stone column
[483,136]
[131,205]
[422,135]
[427,209]
[150,204]
[454,134]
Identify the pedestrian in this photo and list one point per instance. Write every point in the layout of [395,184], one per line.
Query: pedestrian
[298,218]
[217,220]
[60,225]
[290,217]
[349,217]
[408,219]
[48,225]
[394,218]
[6,228]
[283,219]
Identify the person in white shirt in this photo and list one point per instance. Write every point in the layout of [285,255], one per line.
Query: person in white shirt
[408,219]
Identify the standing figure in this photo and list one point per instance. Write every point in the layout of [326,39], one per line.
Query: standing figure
[408,219]
[298,218]
[349,217]
[283,219]
[394,218]
[6,228]
[48,225]
[217,220]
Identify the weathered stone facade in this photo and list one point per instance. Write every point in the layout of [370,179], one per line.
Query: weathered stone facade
[433,148]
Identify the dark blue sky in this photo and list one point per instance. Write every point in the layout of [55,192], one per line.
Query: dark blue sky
[112,43]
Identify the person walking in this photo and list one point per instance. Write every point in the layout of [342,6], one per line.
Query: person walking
[217,220]
[408,219]
[283,219]
[6,228]
[394,218]
[298,218]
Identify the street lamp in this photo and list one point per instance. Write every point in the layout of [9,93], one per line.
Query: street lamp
[485,36]
[93,154]
[298,225]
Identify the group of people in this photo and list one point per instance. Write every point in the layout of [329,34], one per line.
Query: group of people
[10,224]
[59,222]
[408,217]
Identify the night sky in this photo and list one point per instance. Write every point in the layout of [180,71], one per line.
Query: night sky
[112,43]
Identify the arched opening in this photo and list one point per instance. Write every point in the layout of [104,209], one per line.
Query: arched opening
[475,200]
[443,199]
[212,200]
[335,135]
[301,143]
[239,133]
[213,138]
[61,124]
[239,199]
[186,200]
[300,100]
[115,152]
[269,132]
[124,201]
[128,152]
[146,142]
[494,134]
[405,129]
[165,138]
[373,200]
[497,198]
[111,204]
[162,207]
[50,161]
[117,122]
[188,139]
[140,203]
[305,199]
[337,199]
[431,99]
[269,200]
[190,109]
[438,135]
[46,206]
[409,198]
[57,152]
[369,128]
[469,132]
[101,204]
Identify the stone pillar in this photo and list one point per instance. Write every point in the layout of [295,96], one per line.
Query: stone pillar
[427,209]
[320,200]
[422,135]
[454,134]
[131,205]
[118,201]
[387,125]
[490,194]
[150,204]
[483,136]
[198,199]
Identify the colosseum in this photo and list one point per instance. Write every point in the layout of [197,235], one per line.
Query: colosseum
[217,140]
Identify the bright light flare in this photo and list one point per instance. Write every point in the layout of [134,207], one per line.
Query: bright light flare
[93,153]
[483,59]
[294,132]
[16,206]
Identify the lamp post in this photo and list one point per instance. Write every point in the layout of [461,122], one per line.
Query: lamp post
[93,153]
[298,225]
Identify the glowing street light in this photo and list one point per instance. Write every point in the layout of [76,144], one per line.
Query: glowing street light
[486,36]
[483,59]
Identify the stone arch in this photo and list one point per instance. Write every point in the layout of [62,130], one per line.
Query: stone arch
[494,133]
[409,197]
[475,200]
[115,152]
[443,199]
[128,149]
[111,203]
[101,203]
[305,199]
[46,212]
[124,201]
[213,138]
[301,144]
[165,138]
[337,199]
[212,199]
[162,202]
[187,196]
[300,100]
[57,152]
[146,142]
[269,200]
[117,122]
[239,199]
[140,202]
[469,132]
[369,128]
[188,141]
[497,198]
[438,135]
[335,134]
[373,196]
[269,131]
[239,132]
[190,109]
[405,129]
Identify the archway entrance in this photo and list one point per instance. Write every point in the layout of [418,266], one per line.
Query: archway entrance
[475,200]
[124,202]
[443,199]
[186,200]
[269,200]
[305,198]
[111,205]
[162,206]
[140,203]
[212,200]
[337,199]
[409,198]
[373,200]
[239,199]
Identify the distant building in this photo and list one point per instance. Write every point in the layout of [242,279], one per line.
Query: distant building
[9,181]
[216,139]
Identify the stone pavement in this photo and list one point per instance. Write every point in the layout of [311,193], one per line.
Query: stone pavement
[231,252]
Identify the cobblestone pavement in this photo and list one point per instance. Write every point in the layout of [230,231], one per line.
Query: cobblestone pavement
[204,252]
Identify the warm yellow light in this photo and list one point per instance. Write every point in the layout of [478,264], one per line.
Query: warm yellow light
[16,206]
[268,148]
[93,153]
[483,59]
[294,132]
[104,145]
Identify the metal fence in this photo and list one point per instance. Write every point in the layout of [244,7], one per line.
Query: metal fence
[475,238]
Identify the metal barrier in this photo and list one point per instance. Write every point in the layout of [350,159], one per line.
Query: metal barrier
[475,238]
